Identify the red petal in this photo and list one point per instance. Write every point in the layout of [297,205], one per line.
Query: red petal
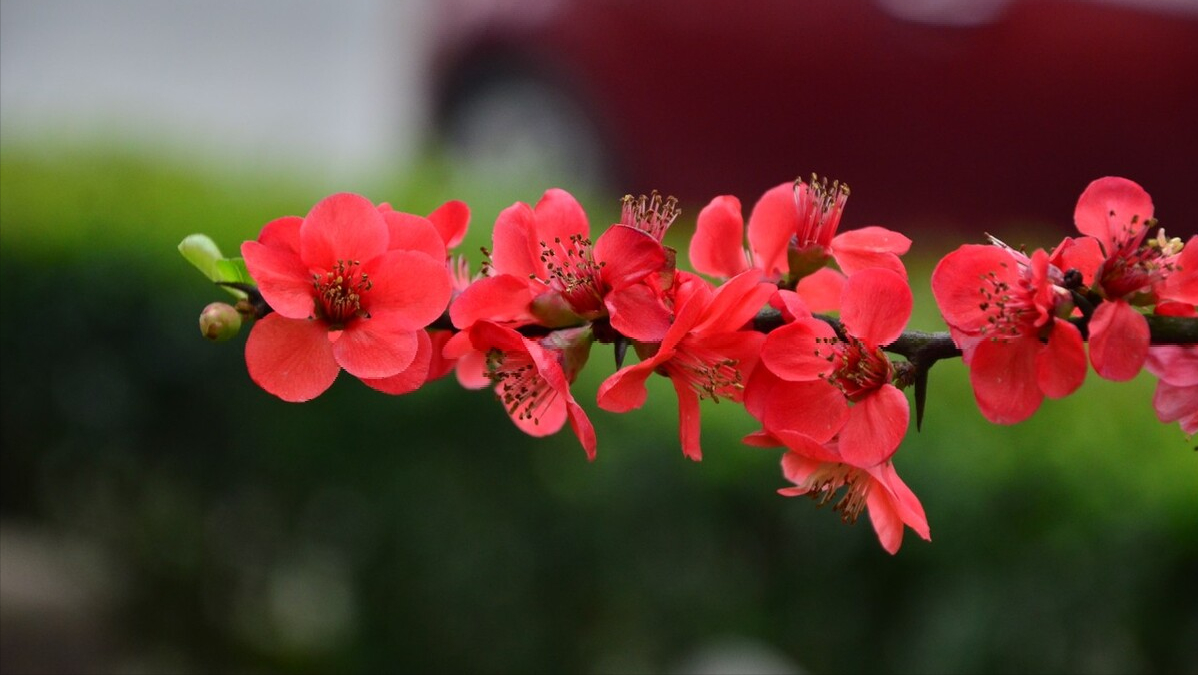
[822,290]
[413,233]
[504,298]
[1061,365]
[717,247]
[515,247]
[486,336]
[282,233]
[559,215]
[1106,208]
[958,279]
[814,409]
[1173,402]
[411,378]
[1182,284]
[902,499]
[583,429]
[800,351]
[876,306]
[1083,254]
[734,303]
[550,419]
[377,347]
[870,247]
[1175,364]
[343,227]
[628,255]
[283,279]
[290,358]
[688,419]
[875,427]
[451,219]
[772,223]
[1119,338]
[1004,378]
[624,390]
[638,312]
[412,286]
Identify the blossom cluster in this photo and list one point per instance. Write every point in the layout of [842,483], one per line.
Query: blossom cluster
[783,314]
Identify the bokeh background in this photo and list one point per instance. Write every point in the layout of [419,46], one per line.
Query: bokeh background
[160,513]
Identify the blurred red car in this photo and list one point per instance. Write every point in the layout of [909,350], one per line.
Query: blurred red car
[939,113]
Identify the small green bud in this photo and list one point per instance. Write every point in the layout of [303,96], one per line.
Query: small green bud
[220,321]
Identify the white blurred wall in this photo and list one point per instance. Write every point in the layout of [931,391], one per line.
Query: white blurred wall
[329,89]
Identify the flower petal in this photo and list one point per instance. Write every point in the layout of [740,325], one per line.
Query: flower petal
[876,306]
[717,247]
[624,389]
[1061,365]
[1173,402]
[381,346]
[1107,208]
[515,248]
[1119,337]
[1004,378]
[290,358]
[1182,284]
[734,303]
[283,279]
[870,247]
[800,351]
[638,312]
[814,409]
[504,298]
[822,290]
[688,419]
[772,223]
[875,427]
[451,219]
[958,284]
[410,285]
[410,232]
[282,233]
[628,255]
[560,216]
[344,227]
[411,378]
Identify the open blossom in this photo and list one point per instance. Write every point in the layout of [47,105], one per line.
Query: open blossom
[705,352]
[818,474]
[792,233]
[1121,263]
[532,378]
[546,270]
[875,309]
[352,287]
[1004,311]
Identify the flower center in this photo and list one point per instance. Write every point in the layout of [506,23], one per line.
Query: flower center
[339,293]
[524,393]
[711,375]
[573,272]
[1141,268]
[820,208]
[1009,310]
[859,370]
[826,481]
[651,214]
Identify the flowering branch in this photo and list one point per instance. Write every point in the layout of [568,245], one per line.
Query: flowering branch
[803,345]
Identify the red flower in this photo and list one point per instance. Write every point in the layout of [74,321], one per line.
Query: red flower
[890,502]
[351,286]
[704,353]
[792,234]
[532,378]
[545,269]
[875,308]
[1003,311]
[1118,262]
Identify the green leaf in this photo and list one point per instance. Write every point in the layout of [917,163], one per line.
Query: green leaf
[202,252]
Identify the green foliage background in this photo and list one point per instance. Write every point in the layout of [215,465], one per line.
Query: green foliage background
[366,533]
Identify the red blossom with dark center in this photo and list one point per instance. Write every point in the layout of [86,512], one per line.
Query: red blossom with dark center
[875,309]
[705,352]
[1003,310]
[352,286]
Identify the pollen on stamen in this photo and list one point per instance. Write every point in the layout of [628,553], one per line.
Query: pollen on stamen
[824,484]
[650,214]
[525,395]
[820,207]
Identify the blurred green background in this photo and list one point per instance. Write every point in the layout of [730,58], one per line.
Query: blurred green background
[161,513]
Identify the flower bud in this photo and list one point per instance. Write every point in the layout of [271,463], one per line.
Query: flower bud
[220,321]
